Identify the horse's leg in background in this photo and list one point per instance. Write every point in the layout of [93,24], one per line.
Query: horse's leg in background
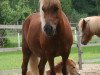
[41,65]
[26,55]
[51,64]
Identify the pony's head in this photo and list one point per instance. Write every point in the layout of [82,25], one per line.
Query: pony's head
[72,68]
[85,31]
[50,13]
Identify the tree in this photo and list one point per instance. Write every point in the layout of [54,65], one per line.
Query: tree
[91,7]
[34,5]
[67,7]
[11,14]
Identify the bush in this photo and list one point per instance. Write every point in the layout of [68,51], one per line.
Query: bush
[3,40]
[67,7]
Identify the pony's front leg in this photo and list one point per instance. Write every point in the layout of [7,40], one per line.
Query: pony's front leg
[65,56]
[51,64]
[41,65]
[64,69]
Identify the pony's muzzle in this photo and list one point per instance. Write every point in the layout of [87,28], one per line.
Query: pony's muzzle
[49,30]
[83,42]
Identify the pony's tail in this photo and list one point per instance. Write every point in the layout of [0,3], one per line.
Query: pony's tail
[33,65]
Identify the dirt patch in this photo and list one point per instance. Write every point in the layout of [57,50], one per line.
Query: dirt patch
[90,69]
[87,69]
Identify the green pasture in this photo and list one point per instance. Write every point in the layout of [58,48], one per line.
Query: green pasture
[10,60]
[13,60]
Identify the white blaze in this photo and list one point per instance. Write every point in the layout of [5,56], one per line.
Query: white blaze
[42,15]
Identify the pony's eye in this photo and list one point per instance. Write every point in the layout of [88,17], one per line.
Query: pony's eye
[43,8]
[73,67]
[55,9]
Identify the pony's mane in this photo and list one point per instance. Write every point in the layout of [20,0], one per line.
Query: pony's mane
[93,23]
[80,24]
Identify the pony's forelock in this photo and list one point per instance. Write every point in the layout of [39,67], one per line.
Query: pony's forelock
[47,3]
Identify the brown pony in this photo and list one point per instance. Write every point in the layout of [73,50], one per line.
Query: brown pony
[46,34]
[71,67]
[89,26]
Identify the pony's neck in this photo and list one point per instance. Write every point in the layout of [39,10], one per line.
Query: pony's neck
[61,22]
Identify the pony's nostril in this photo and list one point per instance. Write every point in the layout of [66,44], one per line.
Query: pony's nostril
[79,74]
[84,43]
[49,30]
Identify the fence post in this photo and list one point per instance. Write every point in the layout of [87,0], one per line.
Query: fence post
[75,32]
[79,48]
[18,40]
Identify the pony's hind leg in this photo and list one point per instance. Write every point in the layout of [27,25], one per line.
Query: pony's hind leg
[41,65]
[26,55]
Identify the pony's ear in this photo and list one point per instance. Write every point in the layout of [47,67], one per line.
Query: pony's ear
[84,24]
[73,62]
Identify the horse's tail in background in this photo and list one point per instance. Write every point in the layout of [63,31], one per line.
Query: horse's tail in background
[33,65]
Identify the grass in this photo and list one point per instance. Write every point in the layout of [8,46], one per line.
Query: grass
[92,52]
[10,60]
[13,60]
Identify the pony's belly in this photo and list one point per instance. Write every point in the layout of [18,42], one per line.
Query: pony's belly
[38,51]
[56,51]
